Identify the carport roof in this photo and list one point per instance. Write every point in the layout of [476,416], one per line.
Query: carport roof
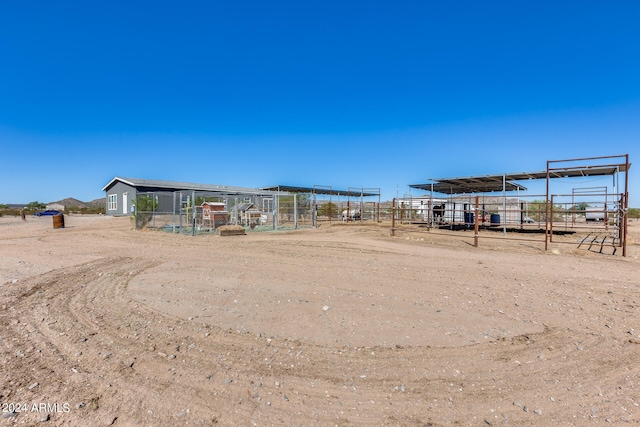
[468,185]
[494,183]
[321,190]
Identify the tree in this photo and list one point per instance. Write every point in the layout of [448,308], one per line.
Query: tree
[327,209]
[538,210]
[582,206]
[634,213]
[145,205]
[36,206]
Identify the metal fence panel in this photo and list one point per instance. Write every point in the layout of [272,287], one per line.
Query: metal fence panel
[192,212]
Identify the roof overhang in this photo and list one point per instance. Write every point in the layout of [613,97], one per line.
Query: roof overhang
[149,185]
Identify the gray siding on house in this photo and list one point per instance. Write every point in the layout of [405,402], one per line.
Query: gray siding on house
[124,193]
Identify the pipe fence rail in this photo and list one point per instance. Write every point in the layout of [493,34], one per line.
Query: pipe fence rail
[597,216]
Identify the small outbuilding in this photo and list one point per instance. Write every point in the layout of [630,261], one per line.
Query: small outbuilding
[250,215]
[55,207]
[214,214]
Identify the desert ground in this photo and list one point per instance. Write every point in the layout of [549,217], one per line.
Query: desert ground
[343,325]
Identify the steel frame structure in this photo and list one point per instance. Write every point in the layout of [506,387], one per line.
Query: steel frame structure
[590,166]
[568,168]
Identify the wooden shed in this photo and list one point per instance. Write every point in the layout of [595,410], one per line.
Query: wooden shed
[249,214]
[215,214]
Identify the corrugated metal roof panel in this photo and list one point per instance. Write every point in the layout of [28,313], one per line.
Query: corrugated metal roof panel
[187,186]
[321,190]
[494,183]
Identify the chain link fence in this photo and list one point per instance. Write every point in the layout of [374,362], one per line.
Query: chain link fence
[355,205]
[193,212]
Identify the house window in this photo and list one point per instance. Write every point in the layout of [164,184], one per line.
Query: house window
[112,202]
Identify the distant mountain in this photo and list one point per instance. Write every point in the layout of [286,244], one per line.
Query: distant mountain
[70,202]
[98,203]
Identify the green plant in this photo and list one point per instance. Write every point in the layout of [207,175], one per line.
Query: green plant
[35,206]
[145,205]
[582,207]
[538,209]
[93,210]
[200,200]
[328,209]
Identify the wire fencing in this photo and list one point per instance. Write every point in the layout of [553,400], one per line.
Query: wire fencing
[194,212]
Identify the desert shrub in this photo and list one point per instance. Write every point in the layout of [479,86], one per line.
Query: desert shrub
[328,209]
[93,210]
[35,206]
[145,206]
[538,209]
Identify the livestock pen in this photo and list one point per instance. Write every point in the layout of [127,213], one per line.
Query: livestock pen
[200,212]
[267,209]
[597,215]
[334,205]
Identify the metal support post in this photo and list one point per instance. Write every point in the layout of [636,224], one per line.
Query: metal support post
[393,217]
[295,211]
[475,225]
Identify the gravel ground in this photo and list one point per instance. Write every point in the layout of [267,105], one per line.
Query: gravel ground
[342,325]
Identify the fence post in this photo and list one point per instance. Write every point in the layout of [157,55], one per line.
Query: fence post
[180,213]
[551,220]
[154,206]
[295,211]
[193,213]
[314,211]
[475,226]
[173,218]
[393,217]
[135,212]
[276,211]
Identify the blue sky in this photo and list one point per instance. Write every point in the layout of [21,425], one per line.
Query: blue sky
[342,94]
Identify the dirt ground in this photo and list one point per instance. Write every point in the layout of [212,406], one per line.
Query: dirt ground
[342,325]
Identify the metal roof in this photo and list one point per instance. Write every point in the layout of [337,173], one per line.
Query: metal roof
[321,190]
[158,185]
[477,184]
[573,172]
[244,206]
[494,183]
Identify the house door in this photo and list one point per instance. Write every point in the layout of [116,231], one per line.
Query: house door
[124,203]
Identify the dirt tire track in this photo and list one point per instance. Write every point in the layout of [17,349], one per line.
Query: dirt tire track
[81,335]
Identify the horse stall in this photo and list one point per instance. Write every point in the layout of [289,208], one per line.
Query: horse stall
[433,211]
[501,203]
